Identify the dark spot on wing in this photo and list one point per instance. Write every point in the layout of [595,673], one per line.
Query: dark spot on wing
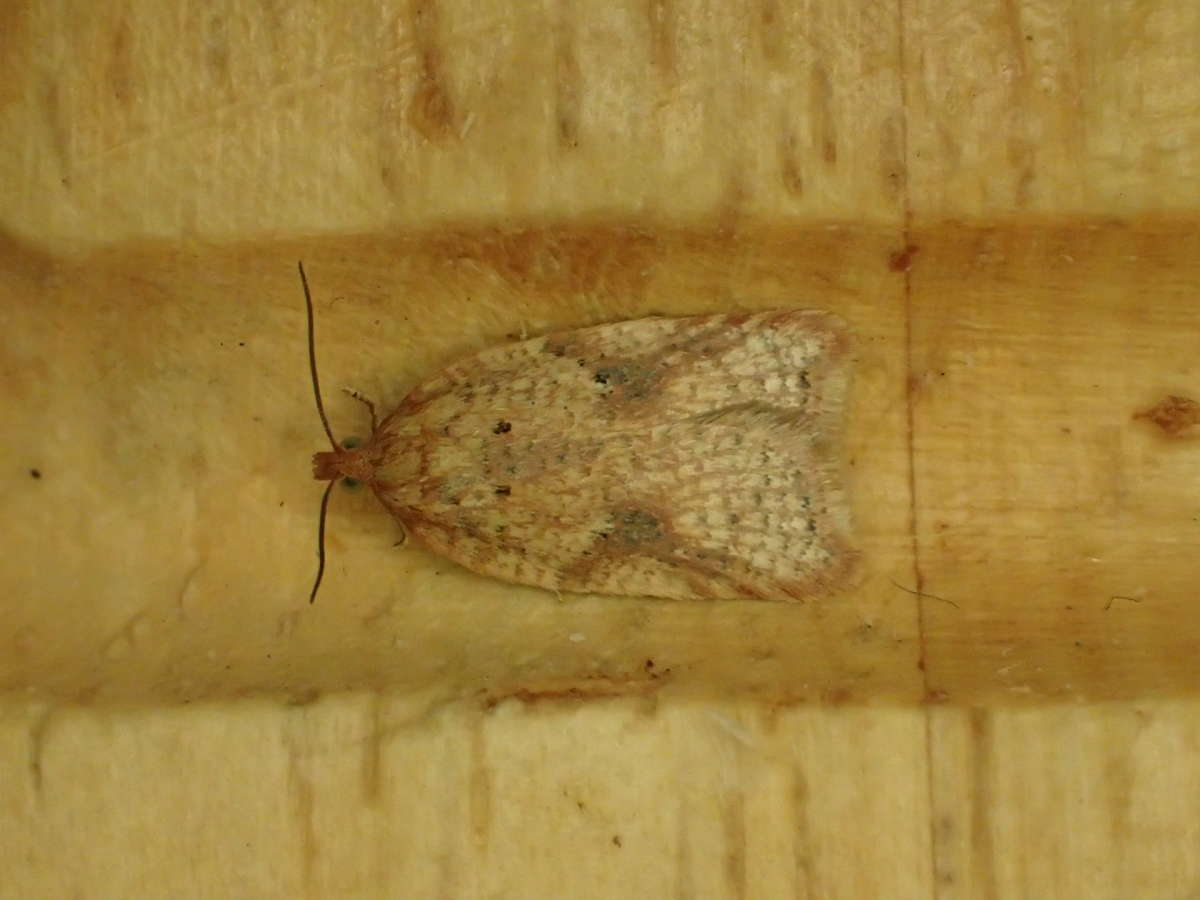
[636,381]
[637,526]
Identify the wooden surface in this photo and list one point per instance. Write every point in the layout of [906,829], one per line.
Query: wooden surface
[369,796]
[1000,199]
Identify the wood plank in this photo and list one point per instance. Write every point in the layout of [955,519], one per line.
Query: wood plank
[709,143]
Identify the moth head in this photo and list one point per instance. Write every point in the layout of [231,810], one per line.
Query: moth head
[350,461]
[326,466]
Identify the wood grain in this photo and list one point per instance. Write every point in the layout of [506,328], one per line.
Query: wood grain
[373,795]
[1000,197]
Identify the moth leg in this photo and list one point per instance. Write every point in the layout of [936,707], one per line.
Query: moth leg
[403,534]
[371,406]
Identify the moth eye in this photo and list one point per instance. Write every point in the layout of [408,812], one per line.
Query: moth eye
[351,442]
[351,484]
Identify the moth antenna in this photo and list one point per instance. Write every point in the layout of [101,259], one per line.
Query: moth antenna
[321,542]
[368,403]
[316,382]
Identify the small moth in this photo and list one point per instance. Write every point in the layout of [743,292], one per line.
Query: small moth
[692,457]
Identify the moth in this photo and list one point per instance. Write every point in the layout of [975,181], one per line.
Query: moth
[690,458]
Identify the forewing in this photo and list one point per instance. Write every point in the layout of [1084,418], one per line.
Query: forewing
[665,457]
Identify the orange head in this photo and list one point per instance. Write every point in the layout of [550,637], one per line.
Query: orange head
[342,462]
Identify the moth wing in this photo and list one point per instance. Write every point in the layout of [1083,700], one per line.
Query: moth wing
[667,457]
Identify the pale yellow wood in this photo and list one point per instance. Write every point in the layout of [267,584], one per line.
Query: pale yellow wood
[231,120]
[372,797]
[1065,801]
[515,167]
[1063,528]
[368,796]
[1048,107]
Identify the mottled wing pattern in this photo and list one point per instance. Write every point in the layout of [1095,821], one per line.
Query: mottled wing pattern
[681,458]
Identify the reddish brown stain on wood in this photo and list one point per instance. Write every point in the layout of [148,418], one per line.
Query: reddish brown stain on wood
[901,260]
[634,683]
[1176,415]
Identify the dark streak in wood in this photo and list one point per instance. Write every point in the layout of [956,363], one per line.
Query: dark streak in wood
[431,110]
[660,15]
[821,92]
[567,86]
[983,852]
